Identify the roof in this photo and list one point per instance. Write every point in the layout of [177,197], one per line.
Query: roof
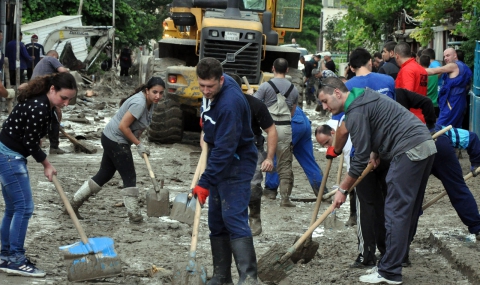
[49,21]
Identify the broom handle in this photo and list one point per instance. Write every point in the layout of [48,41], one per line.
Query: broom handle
[312,227]
[70,211]
[439,196]
[202,165]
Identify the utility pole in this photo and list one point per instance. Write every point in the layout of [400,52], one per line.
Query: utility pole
[80,8]
[113,39]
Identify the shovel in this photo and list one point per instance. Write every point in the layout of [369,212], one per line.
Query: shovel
[184,205]
[91,258]
[158,203]
[331,220]
[274,265]
[83,147]
[191,273]
[306,253]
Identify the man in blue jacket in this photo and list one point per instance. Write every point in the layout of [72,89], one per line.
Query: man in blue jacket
[25,59]
[231,164]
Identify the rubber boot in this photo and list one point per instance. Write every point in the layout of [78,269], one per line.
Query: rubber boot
[222,261]
[285,191]
[254,217]
[270,193]
[130,199]
[245,259]
[88,189]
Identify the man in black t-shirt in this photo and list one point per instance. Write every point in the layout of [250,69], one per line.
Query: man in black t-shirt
[329,64]
[309,81]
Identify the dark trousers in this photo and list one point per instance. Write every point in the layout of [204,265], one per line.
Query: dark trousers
[447,168]
[228,203]
[406,182]
[116,157]
[124,71]
[13,79]
[371,192]
[53,133]
[29,73]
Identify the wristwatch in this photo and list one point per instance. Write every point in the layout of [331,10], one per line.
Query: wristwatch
[343,191]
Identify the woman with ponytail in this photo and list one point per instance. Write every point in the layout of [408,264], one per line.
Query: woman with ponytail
[20,137]
[123,130]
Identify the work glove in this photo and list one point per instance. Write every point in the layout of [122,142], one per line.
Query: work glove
[142,149]
[331,154]
[472,169]
[201,194]
[11,93]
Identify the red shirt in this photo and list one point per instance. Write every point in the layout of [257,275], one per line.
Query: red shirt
[412,76]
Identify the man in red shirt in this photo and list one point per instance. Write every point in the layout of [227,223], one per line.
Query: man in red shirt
[412,76]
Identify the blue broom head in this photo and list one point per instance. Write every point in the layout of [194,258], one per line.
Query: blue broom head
[97,245]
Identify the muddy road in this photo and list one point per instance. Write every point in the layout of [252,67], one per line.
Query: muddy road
[443,251]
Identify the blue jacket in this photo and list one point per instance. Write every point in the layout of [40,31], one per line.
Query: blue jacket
[227,130]
[11,53]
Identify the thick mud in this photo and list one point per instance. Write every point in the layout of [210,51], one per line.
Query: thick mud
[150,252]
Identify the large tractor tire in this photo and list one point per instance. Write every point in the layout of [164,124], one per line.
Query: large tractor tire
[167,123]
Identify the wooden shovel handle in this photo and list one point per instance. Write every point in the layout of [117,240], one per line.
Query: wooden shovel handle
[313,226]
[202,165]
[340,168]
[70,211]
[442,131]
[323,184]
[149,167]
[439,196]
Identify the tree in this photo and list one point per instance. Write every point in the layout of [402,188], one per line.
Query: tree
[137,21]
[333,37]
[308,37]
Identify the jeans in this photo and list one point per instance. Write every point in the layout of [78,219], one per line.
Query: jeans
[17,194]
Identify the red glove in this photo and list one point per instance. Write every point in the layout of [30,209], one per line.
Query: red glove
[201,123]
[331,152]
[201,194]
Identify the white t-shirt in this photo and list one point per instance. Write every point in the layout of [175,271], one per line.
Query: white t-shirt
[348,145]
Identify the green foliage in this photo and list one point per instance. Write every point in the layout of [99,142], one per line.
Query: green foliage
[308,37]
[136,21]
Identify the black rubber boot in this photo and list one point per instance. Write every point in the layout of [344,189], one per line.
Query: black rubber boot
[245,259]
[254,217]
[222,261]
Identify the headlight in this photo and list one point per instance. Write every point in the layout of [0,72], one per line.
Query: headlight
[214,33]
[250,36]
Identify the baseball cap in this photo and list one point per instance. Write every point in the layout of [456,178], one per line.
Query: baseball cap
[34,36]
[319,55]
[327,53]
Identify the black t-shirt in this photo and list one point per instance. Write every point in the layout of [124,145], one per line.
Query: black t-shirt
[330,65]
[308,69]
[261,118]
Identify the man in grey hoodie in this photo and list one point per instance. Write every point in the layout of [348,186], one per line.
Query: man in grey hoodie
[382,129]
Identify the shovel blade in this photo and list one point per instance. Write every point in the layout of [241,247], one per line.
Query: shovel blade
[183,209]
[188,273]
[306,252]
[269,267]
[97,259]
[158,204]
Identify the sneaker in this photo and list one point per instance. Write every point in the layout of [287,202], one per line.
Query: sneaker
[3,265]
[56,151]
[373,270]
[375,278]
[25,268]
[360,262]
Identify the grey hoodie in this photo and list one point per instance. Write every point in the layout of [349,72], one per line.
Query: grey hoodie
[379,124]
